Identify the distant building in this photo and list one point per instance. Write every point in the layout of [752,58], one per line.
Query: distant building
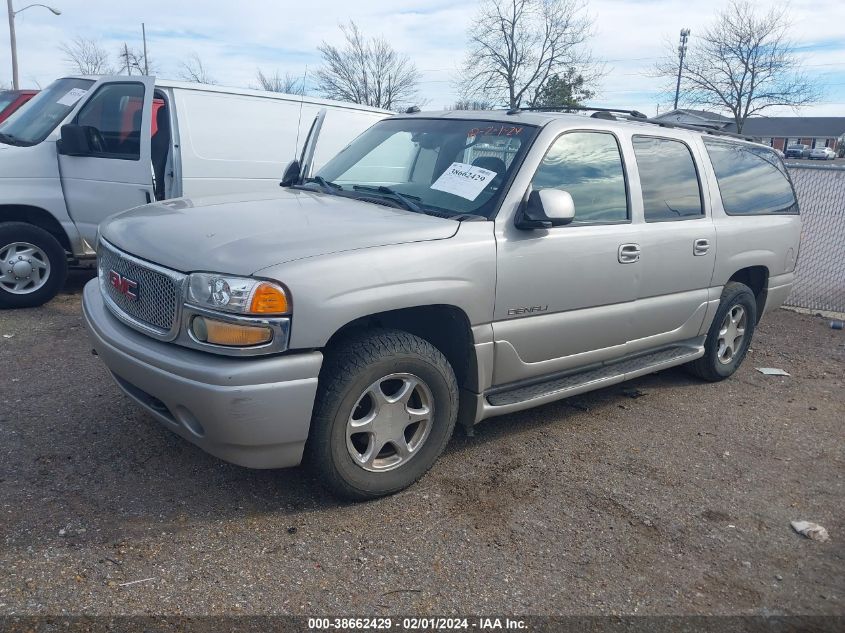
[780,131]
[776,131]
[686,116]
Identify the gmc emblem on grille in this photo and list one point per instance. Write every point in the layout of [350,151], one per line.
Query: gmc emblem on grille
[125,286]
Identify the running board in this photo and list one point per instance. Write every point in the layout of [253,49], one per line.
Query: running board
[504,400]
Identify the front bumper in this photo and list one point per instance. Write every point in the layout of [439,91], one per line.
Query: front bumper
[254,412]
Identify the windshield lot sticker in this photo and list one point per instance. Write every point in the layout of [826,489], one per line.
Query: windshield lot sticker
[495,130]
[72,96]
[466,181]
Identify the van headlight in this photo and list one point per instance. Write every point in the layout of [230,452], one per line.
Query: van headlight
[241,295]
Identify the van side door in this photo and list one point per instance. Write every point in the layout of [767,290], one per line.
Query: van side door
[564,295]
[678,244]
[114,172]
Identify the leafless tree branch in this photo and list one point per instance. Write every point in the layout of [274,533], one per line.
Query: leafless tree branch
[516,46]
[192,69]
[86,57]
[744,63]
[288,84]
[367,71]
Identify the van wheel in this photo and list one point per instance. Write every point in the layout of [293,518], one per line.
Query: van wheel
[386,407]
[730,334]
[33,265]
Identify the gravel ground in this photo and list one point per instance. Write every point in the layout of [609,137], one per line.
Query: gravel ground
[676,502]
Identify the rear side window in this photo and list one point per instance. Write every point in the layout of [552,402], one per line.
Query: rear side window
[668,178]
[752,180]
[589,166]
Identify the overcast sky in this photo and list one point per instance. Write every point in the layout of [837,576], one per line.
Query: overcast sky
[236,38]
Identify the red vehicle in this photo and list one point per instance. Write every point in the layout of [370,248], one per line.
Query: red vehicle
[11,100]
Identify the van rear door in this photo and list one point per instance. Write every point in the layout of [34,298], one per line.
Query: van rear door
[116,173]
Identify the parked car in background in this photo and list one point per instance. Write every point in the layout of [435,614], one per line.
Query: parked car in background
[444,268]
[87,147]
[822,153]
[12,100]
[798,151]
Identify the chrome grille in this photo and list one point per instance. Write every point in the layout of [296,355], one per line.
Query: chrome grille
[159,290]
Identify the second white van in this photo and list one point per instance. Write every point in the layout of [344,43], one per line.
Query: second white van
[87,147]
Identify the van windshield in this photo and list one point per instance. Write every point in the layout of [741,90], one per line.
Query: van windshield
[451,166]
[34,121]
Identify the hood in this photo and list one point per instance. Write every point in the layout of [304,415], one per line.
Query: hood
[33,161]
[242,234]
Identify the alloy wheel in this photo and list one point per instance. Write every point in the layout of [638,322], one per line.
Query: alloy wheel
[390,422]
[731,334]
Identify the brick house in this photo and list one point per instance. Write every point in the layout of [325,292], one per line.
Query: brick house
[776,131]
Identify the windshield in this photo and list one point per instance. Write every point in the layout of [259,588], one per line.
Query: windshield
[453,166]
[41,114]
[6,98]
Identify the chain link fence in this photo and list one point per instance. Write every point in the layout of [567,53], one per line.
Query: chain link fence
[820,274]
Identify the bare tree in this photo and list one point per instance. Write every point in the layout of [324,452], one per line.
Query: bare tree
[515,46]
[471,104]
[86,57]
[192,69]
[367,71]
[743,63]
[133,61]
[289,84]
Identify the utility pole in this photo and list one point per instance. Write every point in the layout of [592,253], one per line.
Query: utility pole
[13,39]
[682,50]
[14,42]
[125,56]
[144,35]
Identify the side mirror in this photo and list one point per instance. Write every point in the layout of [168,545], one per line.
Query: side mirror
[291,175]
[76,140]
[546,208]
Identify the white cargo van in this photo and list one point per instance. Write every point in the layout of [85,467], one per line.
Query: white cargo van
[88,147]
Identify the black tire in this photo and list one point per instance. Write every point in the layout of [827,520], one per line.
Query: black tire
[710,367]
[348,370]
[11,232]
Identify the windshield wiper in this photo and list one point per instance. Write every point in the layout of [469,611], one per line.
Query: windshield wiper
[404,199]
[326,186]
[8,139]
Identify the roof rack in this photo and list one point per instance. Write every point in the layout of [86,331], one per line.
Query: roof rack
[567,108]
[704,130]
[633,115]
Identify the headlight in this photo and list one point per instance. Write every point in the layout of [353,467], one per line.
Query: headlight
[242,295]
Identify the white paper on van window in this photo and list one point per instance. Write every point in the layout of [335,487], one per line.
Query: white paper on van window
[72,96]
[466,181]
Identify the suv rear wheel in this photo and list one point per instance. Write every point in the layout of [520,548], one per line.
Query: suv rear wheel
[33,265]
[386,407]
[730,334]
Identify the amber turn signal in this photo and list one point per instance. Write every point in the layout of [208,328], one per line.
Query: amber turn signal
[268,299]
[229,334]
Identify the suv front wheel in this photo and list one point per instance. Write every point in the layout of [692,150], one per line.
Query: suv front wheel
[730,334]
[386,407]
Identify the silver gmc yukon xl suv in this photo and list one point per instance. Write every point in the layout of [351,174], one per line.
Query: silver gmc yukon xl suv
[442,269]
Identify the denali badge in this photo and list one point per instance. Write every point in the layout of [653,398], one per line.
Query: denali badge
[527,310]
[125,286]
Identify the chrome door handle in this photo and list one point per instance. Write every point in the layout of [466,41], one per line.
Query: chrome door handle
[629,253]
[700,247]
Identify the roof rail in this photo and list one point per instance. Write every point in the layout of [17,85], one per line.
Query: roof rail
[568,108]
[703,129]
[635,116]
